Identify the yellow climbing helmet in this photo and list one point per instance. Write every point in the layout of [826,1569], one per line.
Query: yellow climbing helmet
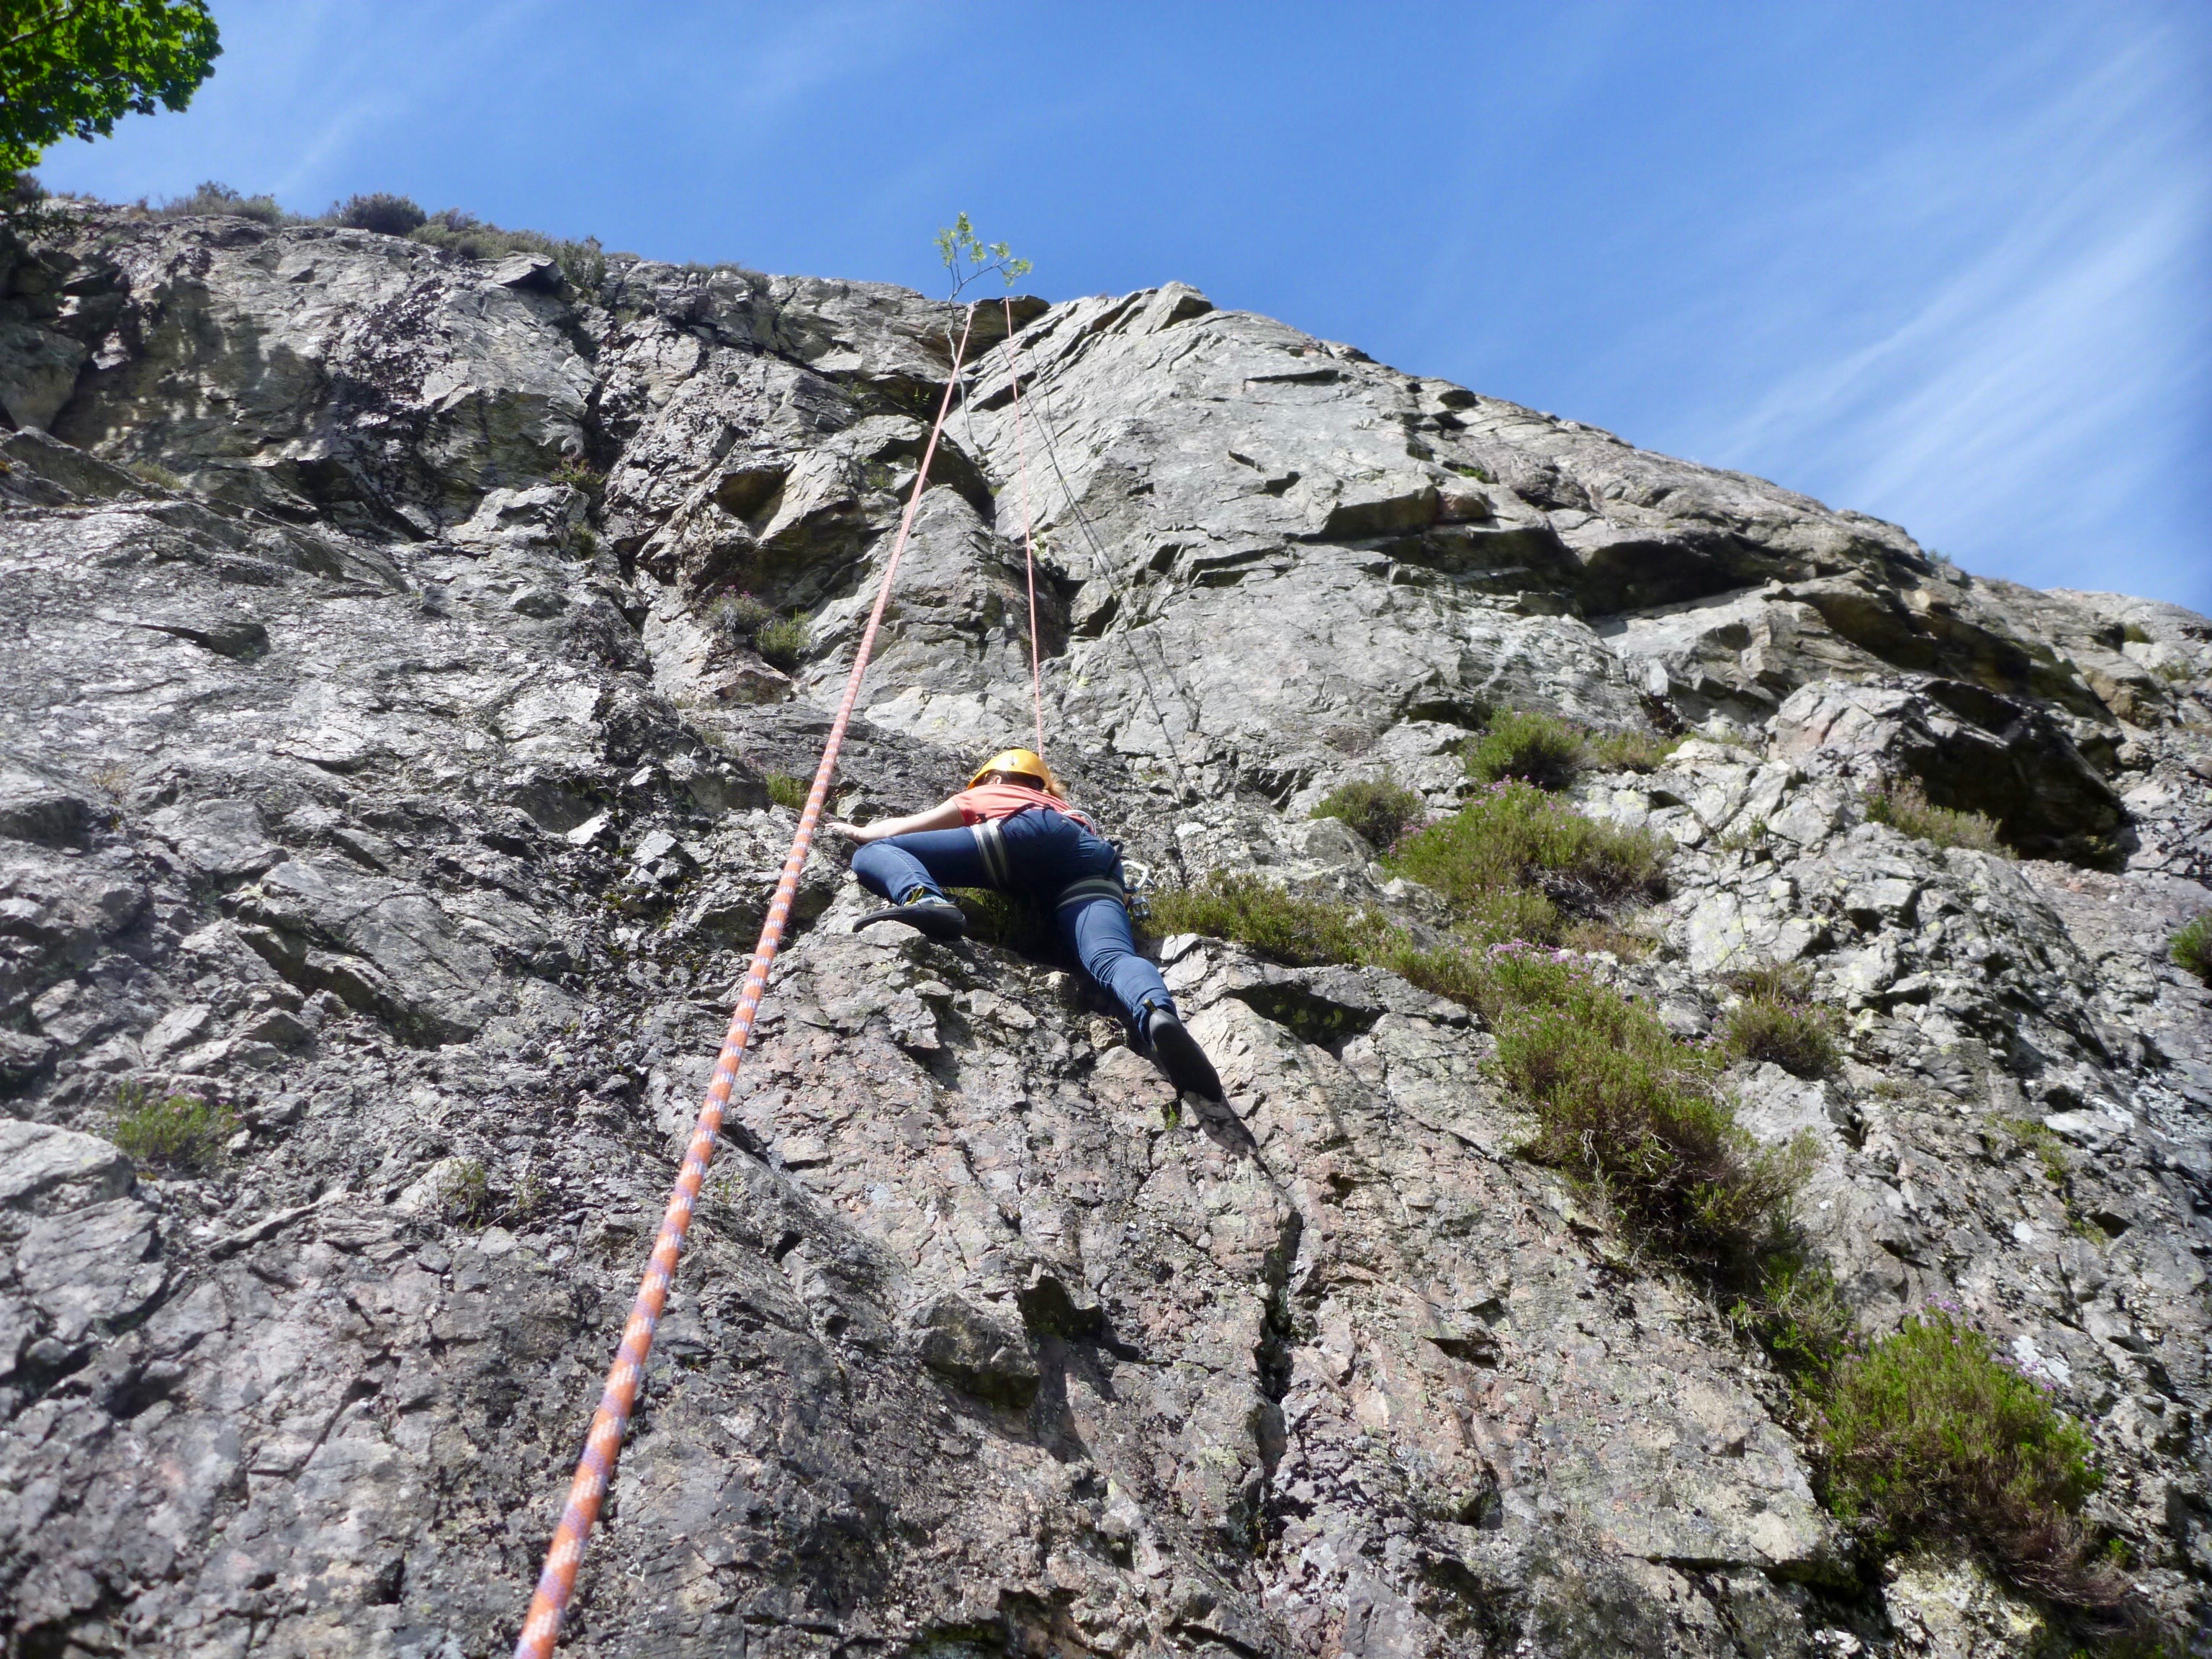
[1022,763]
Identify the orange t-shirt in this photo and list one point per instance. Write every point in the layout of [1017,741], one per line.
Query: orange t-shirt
[1002,801]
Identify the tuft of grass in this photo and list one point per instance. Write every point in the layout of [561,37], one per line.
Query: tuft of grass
[1778,981]
[464,1193]
[1299,932]
[1905,805]
[155,473]
[1632,751]
[1596,936]
[1747,836]
[788,789]
[1535,748]
[180,1132]
[1795,1035]
[1380,810]
[1796,1312]
[784,642]
[583,264]
[2192,947]
[581,475]
[739,617]
[1927,1435]
[212,197]
[381,211]
[530,1199]
[2049,1149]
[1513,834]
[1014,921]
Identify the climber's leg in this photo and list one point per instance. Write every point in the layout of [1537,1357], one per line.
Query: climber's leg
[913,872]
[1095,922]
[1095,919]
[927,861]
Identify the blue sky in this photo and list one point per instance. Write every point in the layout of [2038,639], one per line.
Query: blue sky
[1945,263]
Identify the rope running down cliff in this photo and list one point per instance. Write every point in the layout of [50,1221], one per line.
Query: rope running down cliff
[1127,633]
[1029,533]
[541,1629]
[1098,560]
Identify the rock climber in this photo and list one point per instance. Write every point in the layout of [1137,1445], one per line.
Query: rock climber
[1012,829]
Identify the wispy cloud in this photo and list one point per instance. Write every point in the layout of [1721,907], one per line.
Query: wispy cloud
[2014,406]
[339,115]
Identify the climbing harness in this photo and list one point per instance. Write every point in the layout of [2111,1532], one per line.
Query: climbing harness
[541,1628]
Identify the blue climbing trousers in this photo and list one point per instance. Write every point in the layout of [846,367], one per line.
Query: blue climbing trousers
[1047,855]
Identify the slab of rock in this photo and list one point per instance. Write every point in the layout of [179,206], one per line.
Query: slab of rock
[981,1341]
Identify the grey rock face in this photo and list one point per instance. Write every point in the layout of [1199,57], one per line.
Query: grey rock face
[391,784]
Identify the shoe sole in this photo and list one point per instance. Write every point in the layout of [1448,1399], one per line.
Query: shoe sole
[938,921]
[1184,1061]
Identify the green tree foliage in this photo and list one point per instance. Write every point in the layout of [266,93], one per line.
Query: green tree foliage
[969,259]
[72,69]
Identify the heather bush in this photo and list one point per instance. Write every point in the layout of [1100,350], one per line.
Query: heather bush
[1928,1436]
[1519,743]
[464,233]
[788,789]
[784,642]
[1795,1035]
[380,211]
[1618,1100]
[1905,805]
[1380,810]
[1299,932]
[1512,833]
[583,264]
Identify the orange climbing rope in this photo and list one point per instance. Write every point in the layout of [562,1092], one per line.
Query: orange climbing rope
[1029,539]
[595,1468]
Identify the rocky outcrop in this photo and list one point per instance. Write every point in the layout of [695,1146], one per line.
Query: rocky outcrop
[374,767]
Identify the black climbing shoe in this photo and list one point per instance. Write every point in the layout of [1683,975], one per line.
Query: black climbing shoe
[1180,1056]
[934,917]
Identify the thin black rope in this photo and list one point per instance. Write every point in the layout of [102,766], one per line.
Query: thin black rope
[1041,392]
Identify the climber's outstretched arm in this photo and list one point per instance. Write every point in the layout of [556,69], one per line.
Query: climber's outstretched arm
[943,815]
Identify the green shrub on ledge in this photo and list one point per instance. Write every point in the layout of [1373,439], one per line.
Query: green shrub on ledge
[1535,748]
[1380,810]
[182,1132]
[1513,834]
[1299,932]
[1928,1436]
